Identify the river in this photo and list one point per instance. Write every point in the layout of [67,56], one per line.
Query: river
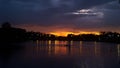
[62,54]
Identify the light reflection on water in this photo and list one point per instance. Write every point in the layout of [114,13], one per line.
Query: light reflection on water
[70,48]
[118,46]
[66,54]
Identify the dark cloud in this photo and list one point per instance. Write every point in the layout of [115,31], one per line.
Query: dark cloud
[111,12]
[54,12]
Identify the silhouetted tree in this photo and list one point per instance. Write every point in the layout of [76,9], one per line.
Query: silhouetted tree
[11,34]
[6,25]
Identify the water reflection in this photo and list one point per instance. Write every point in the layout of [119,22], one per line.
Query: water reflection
[70,48]
[77,54]
[118,47]
[65,54]
[7,51]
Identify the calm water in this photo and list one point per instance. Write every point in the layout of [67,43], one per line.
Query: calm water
[61,54]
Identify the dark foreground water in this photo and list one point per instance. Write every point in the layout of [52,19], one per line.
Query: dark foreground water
[61,54]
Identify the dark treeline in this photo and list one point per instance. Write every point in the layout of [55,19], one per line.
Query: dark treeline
[11,34]
[112,37]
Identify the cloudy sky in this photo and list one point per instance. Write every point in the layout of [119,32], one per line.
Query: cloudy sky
[62,15]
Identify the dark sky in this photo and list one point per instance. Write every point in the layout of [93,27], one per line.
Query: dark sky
[62,15]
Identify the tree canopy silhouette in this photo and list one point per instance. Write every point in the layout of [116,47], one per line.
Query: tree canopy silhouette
[6,25]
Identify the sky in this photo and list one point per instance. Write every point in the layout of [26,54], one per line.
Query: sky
[50,16]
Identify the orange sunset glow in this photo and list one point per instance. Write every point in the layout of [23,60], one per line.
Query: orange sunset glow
[60,33]
[57,31]
[66,33]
